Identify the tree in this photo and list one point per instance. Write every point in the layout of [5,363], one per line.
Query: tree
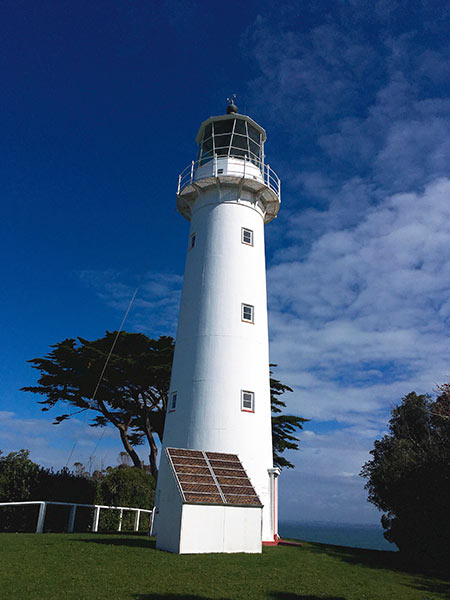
[127,486]
[131,395]
[408,477]
[21,479]
[19,476]
[283,426]
[441,407]
[124,486]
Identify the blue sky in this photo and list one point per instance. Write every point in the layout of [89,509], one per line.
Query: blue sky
[100,106]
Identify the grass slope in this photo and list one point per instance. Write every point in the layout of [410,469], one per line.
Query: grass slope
[128,567]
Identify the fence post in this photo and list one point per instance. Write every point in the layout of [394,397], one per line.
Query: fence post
[41,517]
[73,510]
[120,520]
[95,519]
[152,519]
[137,517]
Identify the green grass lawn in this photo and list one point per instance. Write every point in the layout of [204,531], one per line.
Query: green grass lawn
[126,566]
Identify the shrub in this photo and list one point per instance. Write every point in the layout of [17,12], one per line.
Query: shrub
[18,476]
[124,486]
[21,479]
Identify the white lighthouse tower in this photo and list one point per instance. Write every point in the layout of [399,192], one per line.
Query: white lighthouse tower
[217,489]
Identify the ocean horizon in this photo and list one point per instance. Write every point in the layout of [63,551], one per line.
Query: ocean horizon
[369,536]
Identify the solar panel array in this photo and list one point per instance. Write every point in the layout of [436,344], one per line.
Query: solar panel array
[212,478]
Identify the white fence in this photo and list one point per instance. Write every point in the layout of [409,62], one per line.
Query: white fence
[73,510]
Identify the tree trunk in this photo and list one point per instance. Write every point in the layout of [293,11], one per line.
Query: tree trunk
[153,456]
[129,448]
[147,427]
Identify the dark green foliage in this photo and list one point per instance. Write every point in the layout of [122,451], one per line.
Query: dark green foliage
[65,486]
[131,395]
[125,486]
[19,476]
[283,426]
[409,477]
[22,480]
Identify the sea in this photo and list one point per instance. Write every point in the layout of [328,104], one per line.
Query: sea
[340,534]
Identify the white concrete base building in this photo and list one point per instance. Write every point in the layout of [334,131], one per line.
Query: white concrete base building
[207,504]
[219,399]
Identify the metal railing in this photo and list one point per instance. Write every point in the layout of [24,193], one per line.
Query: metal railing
[72,513]
[238,166]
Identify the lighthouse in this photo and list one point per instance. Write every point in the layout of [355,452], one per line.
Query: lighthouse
[217,487]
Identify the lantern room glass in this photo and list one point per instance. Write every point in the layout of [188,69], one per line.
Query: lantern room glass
[232,137]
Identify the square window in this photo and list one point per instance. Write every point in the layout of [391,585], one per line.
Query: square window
[247,401]
[192,240]
[247,236]
[248,313]
[173,402]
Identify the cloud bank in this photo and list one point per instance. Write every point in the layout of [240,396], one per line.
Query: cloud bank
[358,275]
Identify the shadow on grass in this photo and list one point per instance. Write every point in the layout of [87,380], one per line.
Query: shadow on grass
[115,539]
[426,580]
[291,596]
[172,597]
[274,595]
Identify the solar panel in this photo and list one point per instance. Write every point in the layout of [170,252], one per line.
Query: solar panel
[211,478]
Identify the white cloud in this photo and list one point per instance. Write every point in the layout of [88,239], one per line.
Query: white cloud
[155,308]
[363,318]
[359,279]
[52,445]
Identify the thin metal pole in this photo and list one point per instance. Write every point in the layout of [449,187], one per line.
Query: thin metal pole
[73,510]
[192,171]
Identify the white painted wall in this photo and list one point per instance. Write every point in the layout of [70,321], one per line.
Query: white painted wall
[229,166]
[167,520]
[220,529]
[216,354]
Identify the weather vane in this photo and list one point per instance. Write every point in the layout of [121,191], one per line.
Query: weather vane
[232,108]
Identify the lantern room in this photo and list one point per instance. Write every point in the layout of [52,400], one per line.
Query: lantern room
[230,151]
[231,135]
